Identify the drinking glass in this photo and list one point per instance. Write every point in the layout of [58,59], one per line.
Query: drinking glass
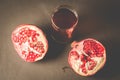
[64,20]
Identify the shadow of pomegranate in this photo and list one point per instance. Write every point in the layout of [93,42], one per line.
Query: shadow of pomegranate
[55,49]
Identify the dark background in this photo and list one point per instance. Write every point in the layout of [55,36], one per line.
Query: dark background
[99,19]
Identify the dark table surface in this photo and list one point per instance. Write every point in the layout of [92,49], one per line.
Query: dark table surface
[99,19]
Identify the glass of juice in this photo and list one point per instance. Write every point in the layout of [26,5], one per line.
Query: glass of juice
[64,19]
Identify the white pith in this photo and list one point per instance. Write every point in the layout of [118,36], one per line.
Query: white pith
[25,46]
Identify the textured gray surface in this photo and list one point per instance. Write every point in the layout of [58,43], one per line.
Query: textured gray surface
[97,19]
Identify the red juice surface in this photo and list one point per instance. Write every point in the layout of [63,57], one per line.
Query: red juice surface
[64,18]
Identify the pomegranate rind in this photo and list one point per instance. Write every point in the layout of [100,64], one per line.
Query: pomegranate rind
[73,63]
[42,38]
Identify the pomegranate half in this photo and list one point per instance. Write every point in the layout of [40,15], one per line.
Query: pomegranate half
[29,42]
[87,56]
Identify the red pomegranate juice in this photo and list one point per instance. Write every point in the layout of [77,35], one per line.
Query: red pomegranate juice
[63,22]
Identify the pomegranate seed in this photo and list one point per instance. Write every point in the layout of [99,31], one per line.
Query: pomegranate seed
[100,48]
[84,59]
[21,38]
[85,42]
[75,54]
[37,34]
[28,33]
[84,70]
[31,45]
[88,58]
[15,39]
[41,50]
[24,39]
[83,65]
[23,52]
[20,43]
[81,56]
[35,47]
[33,32]
[39,43]
[30,57]
[34,39]
[91,65]
[23,32]
[99,54]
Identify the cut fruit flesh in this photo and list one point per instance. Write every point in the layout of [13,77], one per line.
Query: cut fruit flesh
[30,42]
[87,57]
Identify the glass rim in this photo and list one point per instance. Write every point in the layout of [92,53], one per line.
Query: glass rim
[70,8]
